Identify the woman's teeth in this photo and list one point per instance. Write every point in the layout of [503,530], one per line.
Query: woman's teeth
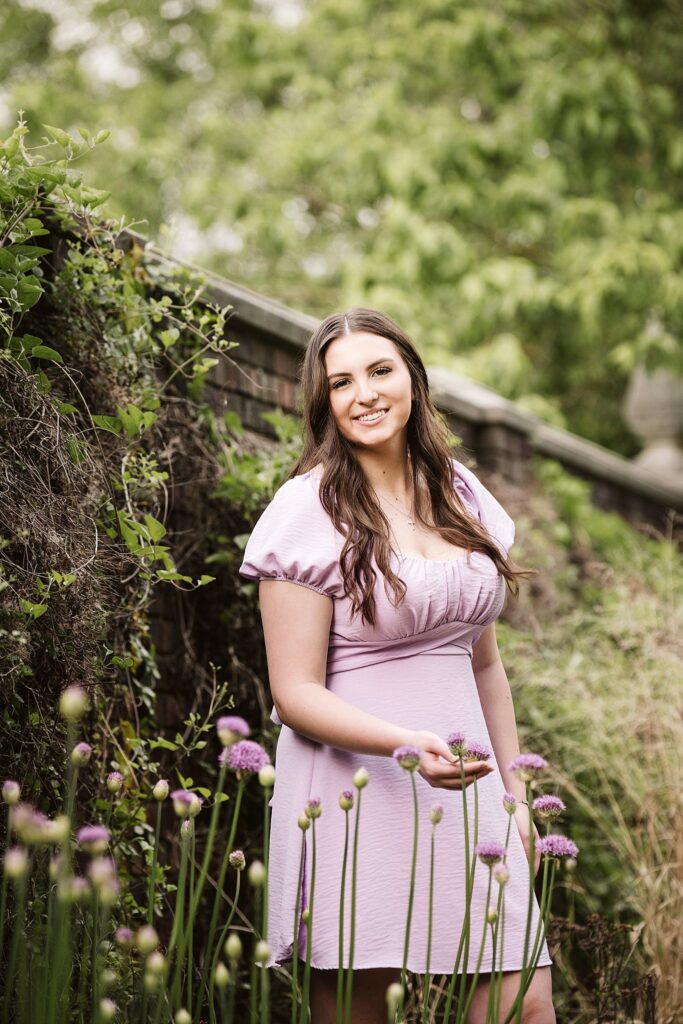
[372,417]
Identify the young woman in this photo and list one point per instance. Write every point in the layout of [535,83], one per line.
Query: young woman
[383,564]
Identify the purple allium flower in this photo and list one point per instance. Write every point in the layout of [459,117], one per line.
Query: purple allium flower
[313,808]
[101,870]
[93,838]
[114,781]
[490,853]
[237,859]
[346,799]
[436,813]
[30,825]
[245,756]
[80,754]
[408,756]
[528,766]
[458,743]
[231,728]
[510,802]
[123,937]
[11,791]
[548,806]
[555,845]
[476,751]
[182,802]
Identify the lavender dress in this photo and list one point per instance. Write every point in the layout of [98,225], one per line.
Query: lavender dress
[412,668]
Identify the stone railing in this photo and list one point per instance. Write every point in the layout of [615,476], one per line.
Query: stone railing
[501,436]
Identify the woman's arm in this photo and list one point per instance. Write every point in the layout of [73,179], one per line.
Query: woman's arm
[499,712]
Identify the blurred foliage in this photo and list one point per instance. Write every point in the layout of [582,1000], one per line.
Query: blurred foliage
[502,177]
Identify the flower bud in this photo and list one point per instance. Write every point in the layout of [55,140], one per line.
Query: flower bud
[108,977]
[261,952]
[156,963]
[182,1017]
[54,867]
[114,781]
[146,939]
[11,791]
[16,863]
[492,915]
[304,822]
[436,813]
[346,799]
[73,703]
[160,791]
[306,915]
[81,754]
[221,975]
[152,982]
[196,804]
[394,995]
[187,828]
[233,946]
[570,863]
[124,937]
[501,873]
[59,830]
[257,873]
[231,728]
[107,1009]
[313,808]
[266,775]
[236,860]
[360,778]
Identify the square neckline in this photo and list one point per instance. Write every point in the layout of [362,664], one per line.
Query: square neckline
[416,558]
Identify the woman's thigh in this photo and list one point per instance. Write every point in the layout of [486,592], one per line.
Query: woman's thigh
[368,1001]
[538,1001]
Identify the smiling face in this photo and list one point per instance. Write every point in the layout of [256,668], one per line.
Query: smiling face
[366,374]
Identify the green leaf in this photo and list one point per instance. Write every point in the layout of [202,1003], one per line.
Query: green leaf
[164,744]
[110,423]
[156,529]
[34,610]
[45,352]
[203,580]
[60,136]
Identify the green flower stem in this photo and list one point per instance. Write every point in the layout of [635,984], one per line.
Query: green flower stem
[499,979]
[224,1006]
[544,915]
[155,861]
[295,940]
[3,889]
[340,969]
[428,977]
[477,970]
[94,960]
[254,980]
[17,942]
[460,1016]
[177,931]
[411,894]
[309,934]
[264,975]
[466,917]
[352,937]
[86,957]
[234,975]
[215,810]
[530,903]
[190,924]
[206,961]
[219,946]
[62,941]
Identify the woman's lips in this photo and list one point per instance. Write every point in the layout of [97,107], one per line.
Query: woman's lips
[371,423]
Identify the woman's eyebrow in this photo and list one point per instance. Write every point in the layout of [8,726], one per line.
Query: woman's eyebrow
[345,373]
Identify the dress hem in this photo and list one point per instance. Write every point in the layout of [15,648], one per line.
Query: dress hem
[545,961]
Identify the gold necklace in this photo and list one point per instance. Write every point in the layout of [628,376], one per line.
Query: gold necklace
[408,515]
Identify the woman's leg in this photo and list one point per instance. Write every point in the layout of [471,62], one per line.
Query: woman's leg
[538,1001]
[368,1000]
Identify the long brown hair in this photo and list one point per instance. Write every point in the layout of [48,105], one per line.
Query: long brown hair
[345,492]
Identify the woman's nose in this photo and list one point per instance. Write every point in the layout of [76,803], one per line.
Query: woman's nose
[365,393]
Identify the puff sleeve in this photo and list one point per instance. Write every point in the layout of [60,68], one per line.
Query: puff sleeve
[294,539]
[490,512]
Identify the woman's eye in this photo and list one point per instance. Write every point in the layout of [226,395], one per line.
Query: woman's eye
[387,369]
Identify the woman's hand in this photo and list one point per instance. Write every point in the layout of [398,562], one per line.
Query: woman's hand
[522,819]
[438,767]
